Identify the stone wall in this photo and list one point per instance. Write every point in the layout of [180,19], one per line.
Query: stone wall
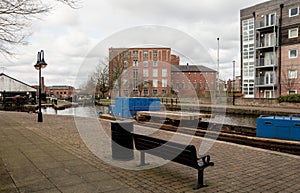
[264,103]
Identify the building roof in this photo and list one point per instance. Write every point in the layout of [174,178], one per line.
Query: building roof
[59,87]
[191,68]
[10,84]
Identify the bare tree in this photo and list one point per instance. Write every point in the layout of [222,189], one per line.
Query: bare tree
[289,82]
[117,64]
[17,15]
[101,78]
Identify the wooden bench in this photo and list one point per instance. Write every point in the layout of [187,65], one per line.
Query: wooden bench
[176,152]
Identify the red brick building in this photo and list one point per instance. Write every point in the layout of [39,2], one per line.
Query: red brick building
[141,71]
[234,85]
[189,80]
[60,92]
[155,72]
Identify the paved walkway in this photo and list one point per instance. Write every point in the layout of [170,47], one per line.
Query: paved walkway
[51,157]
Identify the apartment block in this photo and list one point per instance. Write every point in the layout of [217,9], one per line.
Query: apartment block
[192,80]
[155,72]
[269,49]
[141,71]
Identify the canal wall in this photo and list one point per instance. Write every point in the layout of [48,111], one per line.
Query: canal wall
[264,103]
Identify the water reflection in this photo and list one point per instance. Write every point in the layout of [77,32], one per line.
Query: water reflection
[92,111]
[81,111]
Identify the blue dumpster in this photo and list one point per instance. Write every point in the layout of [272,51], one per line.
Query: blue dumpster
[278,127]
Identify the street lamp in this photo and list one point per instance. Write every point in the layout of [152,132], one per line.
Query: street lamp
[233,82]
[38,66]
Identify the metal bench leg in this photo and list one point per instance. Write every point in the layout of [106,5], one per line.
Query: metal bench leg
[200,180]
[142,159]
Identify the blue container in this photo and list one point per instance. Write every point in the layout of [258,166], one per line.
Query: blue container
[154,104]
[278,127]
[128,107]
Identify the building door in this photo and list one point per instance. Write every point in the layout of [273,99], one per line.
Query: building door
[269,94]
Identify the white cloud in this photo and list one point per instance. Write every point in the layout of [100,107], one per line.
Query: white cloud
[68,36]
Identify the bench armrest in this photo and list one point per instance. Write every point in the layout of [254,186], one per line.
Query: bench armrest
[204,161]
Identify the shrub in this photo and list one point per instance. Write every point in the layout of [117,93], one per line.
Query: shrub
[293,98]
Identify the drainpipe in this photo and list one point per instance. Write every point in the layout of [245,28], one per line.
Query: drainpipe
[279,50]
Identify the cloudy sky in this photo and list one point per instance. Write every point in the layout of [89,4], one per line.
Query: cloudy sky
[70,37]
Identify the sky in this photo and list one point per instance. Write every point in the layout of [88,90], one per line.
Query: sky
[75,40]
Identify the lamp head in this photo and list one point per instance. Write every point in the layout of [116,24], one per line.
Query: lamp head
[40,63]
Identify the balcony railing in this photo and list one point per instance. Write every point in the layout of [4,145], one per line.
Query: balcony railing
[261,43]
[262,82]
[260,25]
[262,62]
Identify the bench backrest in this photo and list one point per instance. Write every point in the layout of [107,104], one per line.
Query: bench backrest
[180,153]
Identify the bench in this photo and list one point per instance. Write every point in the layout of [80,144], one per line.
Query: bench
[176,152]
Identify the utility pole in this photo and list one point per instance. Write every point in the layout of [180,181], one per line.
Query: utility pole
[218,63]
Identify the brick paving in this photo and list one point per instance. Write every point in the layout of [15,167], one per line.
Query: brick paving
[51,157]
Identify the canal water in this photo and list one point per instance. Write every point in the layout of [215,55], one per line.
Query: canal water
[92,111]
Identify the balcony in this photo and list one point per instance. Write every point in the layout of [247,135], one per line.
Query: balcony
[262,27]
[265,63]
[264,43]
[264,82]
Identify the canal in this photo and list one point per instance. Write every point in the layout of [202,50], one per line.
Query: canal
[92,111]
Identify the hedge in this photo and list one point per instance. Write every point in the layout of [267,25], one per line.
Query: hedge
[293,98]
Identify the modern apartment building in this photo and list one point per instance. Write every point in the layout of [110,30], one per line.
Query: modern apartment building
[155,72]
[269,49]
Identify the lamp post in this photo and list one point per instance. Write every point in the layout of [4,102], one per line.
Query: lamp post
[233,82]
[38,66]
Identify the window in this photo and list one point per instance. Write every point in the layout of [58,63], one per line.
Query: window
[125,53]
[155,73]
[145,92]
[269,59]
[145,63]
[145,53]
[270,19]
[269,40]
[269,94]
[154,83]
[125,63]
[164,72]
[135,62]
[125,83]
[135,77]
[154,62]
[269,78]
[135,92]
[293,53]
[163,92]
[294,11]
[154,53]
[145,72]
[292,74]
[164,83]
[135,53]
[293,33]
[154,92]
[292,92]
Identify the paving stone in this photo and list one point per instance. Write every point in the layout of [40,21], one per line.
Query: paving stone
[68,180]
[55,153]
